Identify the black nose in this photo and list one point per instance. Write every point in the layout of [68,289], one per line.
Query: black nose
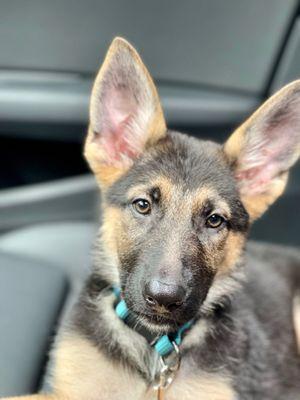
[159,294]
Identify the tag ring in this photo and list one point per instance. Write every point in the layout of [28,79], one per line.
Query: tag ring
[167,372]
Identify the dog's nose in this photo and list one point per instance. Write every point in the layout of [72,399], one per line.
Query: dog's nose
[159,294]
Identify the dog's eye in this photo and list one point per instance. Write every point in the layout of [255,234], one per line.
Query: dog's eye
[214,221]
[142,206]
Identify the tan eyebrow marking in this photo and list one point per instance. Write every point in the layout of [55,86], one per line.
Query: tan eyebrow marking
[206,193]
[188,199]
[165,185]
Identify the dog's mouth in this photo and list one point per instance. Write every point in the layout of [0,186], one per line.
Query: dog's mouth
[158,323]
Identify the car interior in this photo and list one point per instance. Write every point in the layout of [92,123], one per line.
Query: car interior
[214,63]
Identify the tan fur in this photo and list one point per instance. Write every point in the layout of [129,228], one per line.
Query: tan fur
[233,250]
[106,175]
[166,187]
[202,194]
[203,387]
[82,372]
[155,130]
[117,232]
[107,246]
[163,183]
[257,205]
[111,229]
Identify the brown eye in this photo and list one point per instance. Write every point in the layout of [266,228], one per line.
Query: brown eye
[214,221]
[142,206]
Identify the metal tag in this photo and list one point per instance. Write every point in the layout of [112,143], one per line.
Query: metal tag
[166,374]
[160,394]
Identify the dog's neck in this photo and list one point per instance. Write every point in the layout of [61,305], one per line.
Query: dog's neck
[96,318]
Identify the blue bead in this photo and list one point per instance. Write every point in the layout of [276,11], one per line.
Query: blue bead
[163,346]
[181,330]
[122,310]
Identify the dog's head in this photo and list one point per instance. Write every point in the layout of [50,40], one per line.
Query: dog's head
[176,210]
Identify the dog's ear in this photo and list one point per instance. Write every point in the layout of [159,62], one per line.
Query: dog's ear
[263,149]
[125,114]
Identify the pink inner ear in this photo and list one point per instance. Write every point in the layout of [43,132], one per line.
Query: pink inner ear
[119,106]
[116,144]
[255,180]
[265,157]
[119,113]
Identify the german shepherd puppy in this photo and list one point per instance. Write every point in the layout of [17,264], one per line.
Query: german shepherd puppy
[176,214]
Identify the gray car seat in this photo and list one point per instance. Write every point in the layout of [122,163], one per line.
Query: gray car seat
[41,270]
[31,296]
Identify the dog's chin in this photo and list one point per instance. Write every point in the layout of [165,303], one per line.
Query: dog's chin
[157,323]
[156,327]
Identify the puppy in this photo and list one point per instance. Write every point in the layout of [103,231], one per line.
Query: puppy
[178,305]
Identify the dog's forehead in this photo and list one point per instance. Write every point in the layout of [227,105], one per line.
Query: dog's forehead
[174,193]
[182,168]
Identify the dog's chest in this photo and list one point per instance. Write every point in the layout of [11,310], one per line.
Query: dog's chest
[82,372]
[195,387]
